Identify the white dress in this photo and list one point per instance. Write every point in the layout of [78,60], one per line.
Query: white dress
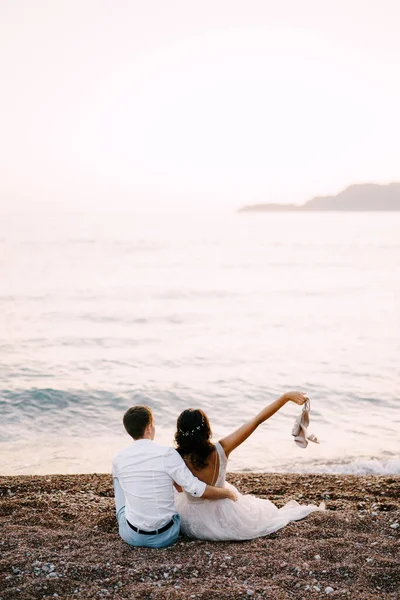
[222,520]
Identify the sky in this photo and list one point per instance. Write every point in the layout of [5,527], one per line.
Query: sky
[185,105]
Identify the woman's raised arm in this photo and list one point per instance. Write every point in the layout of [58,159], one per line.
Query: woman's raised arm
[233,440]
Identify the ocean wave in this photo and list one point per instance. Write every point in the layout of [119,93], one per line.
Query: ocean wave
[357,466]
[18,403]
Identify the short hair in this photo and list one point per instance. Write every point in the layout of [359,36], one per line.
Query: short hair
[136,419]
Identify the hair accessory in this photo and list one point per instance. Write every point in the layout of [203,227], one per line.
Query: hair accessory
[192,431]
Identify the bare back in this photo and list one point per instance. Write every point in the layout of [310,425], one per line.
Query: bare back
[209,473]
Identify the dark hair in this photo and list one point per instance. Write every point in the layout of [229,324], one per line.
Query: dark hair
[136,419]
[192,437]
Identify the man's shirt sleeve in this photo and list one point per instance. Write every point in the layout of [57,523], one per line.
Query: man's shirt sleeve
[176,468]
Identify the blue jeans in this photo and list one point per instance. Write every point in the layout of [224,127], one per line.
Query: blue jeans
[131,537]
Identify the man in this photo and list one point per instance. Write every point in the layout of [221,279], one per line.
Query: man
[144,475]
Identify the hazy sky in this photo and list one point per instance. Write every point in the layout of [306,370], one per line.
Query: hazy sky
[211,103]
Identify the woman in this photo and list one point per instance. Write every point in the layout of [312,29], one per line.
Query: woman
[247,518]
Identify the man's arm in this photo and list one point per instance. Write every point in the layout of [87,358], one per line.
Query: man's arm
[214,493]
[178,471]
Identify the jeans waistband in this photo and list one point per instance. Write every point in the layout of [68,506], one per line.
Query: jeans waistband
[155,532]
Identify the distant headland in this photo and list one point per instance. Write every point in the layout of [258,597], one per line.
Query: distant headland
[358,197]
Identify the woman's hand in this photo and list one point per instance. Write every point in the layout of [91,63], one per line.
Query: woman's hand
[296,397]
[232,441]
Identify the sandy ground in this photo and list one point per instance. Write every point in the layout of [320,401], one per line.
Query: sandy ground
[59,540]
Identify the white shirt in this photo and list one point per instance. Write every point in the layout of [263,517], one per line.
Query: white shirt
[146,472]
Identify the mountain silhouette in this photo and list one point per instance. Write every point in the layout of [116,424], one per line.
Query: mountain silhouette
[357,197]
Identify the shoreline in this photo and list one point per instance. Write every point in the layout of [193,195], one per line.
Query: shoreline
[60,539]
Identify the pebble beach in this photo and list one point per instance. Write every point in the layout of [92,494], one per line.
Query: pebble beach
[60,540]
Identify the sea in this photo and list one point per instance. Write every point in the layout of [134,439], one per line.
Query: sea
[219,311]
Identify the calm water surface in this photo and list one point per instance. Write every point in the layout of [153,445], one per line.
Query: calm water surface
[220,312]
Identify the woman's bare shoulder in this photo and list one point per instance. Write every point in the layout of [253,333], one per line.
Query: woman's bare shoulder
[224,447]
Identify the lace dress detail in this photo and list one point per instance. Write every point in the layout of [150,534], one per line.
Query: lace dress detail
[248,518]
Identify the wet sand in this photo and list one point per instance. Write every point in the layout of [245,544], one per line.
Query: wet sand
[59,539]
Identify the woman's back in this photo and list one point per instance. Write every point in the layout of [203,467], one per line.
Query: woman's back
[213,473]
[249,517]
